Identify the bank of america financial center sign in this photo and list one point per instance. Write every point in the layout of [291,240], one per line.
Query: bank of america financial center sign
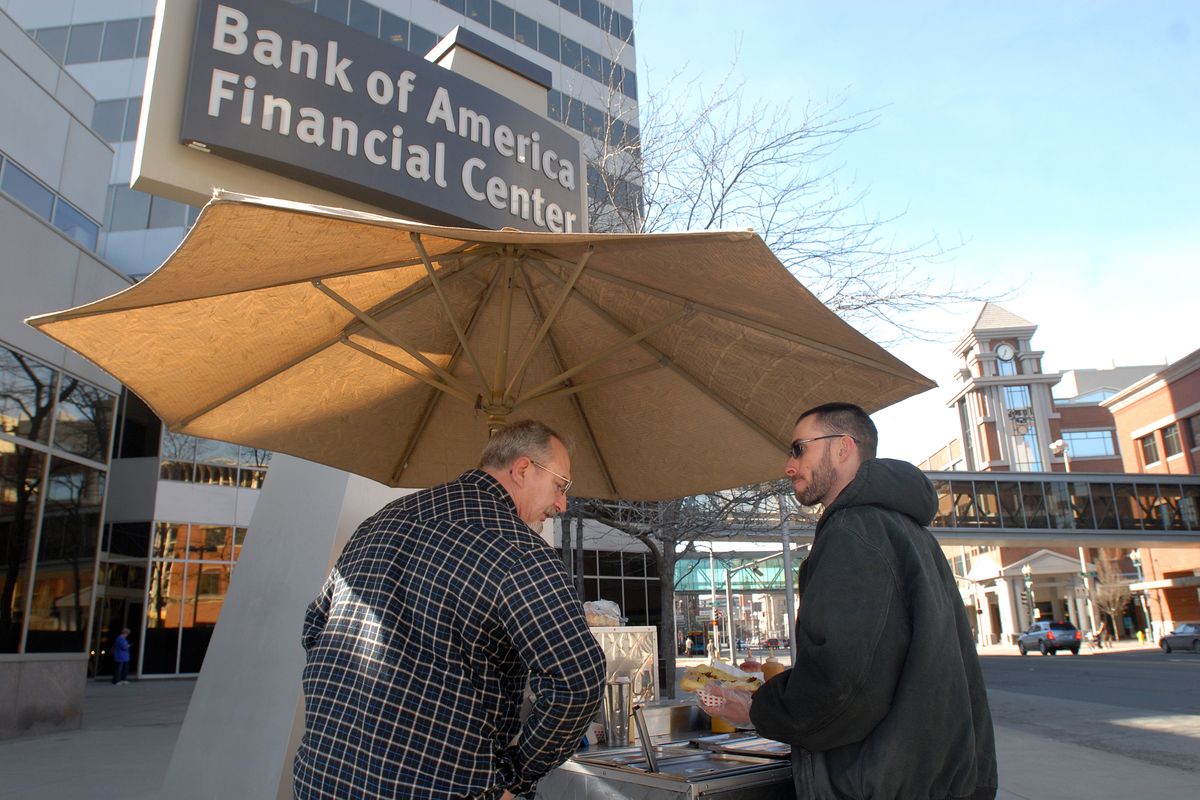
[285,90]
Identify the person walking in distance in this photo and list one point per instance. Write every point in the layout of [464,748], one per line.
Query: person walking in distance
[886,698]
[121,657]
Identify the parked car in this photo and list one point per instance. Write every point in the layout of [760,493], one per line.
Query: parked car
[775,644]
[1050,637]
[1186,636]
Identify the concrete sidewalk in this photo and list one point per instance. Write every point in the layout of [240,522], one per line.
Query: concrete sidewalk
[128,735]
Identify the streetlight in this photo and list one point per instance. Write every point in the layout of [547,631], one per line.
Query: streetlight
[1027,574]
[1060,448]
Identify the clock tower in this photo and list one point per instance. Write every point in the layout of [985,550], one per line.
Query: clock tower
[1003,399]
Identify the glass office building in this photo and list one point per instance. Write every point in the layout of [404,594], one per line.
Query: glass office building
[131,526]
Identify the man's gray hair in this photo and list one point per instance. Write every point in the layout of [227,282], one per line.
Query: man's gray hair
[526,437]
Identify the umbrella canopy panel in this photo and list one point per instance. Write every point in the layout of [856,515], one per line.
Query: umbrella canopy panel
[675,362]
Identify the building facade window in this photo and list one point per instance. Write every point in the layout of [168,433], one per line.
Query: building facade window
[190,569]
[55,436]
[41,200]
[1172,441]
[1089,444]
[192,460]
[1026,454]
[1193,427]
[1149,449]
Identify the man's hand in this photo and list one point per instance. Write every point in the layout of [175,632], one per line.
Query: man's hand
[736,708]
[507,796]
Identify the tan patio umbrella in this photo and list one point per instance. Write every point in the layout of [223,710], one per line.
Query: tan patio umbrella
[676,362]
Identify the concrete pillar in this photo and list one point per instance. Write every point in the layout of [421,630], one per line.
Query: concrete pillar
[1012,618]
[245,714]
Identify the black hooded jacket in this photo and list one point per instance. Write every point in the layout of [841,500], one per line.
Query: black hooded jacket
[886,699]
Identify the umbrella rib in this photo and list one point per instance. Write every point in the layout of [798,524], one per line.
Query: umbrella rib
[750,323]
[374,325]
[458,331]
[584,422]
[441,387]
[436,397]
[678,370]
[575,388]
[258,381]
[549,319]
[607,353]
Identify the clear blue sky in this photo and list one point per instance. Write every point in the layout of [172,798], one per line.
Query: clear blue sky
[1060,142]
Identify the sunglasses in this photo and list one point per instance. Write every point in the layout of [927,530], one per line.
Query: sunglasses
[566,482]
[798,447]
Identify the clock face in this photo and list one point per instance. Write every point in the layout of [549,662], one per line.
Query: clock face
[1005,352]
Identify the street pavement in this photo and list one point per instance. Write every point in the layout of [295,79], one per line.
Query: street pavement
[122,750]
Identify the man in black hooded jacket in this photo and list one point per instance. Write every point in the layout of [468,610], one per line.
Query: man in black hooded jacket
[886,699]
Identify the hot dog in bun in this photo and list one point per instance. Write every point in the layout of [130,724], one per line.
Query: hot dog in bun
[697,676]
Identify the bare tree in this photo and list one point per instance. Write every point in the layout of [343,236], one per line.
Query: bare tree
[671,530]
[702,160]
[1111,592]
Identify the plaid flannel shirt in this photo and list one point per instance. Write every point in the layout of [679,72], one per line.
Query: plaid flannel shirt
[419,646]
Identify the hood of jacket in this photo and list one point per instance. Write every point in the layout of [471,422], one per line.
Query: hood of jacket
[891,484]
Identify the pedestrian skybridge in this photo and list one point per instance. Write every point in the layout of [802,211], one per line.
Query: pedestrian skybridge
[1040,508]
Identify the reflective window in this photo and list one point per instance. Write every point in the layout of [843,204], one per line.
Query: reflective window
[85,419]
[178,457]
[129,209]
[170,540]
[1189,507]
[62,588]
[503,19]
[549,42]
[1193,427]
[364,17]
[1105,506]
[1130,514]
[393,29]
[964,503]
[132,112]
[1086,444]
[1149,447]
[21,475]
[120,40]
[74,223]
[30,192]
[1033,501]
[165,213]
[108,120]
[337,10]
[945,512]
[54,40]
[1172,441]
[1169,510]
[480,11]
[1008,494]
[145,32]
[164,613]
[26,396]
[421,41]
[1081,503]
[526,31]
[84,44]
[1058,505]
[986,504]
[459,6]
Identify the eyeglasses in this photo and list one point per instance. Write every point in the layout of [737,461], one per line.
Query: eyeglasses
[566,482]
[797,449]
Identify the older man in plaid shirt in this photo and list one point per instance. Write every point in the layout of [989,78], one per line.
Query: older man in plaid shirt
[438,611]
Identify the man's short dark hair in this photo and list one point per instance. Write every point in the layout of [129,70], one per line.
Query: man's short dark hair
[847,418]
[526,437]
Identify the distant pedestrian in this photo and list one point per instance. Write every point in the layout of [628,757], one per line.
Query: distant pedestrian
[711,647]
[121,658]
[687,646]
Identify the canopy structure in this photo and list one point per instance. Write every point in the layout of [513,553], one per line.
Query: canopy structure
[676,363]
